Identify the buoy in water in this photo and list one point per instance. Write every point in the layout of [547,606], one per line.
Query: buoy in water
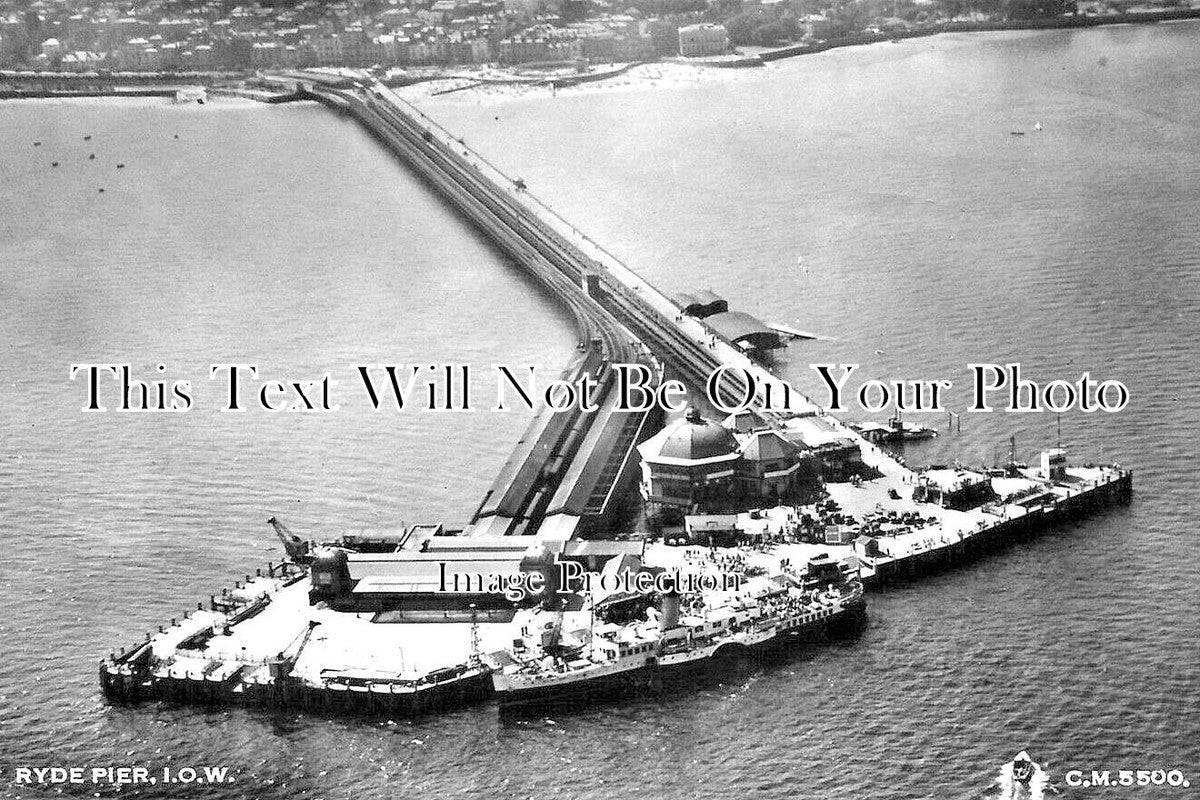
[120,166]
[87,138]
[54,163]
[92,157]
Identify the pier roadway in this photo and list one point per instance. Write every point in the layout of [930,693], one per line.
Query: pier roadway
[687,346]
[567,472]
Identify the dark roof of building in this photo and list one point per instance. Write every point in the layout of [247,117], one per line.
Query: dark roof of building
[701,303]
[391,570]
[738,326]
[708,297]
[694,439]
[768,446]
[745,421]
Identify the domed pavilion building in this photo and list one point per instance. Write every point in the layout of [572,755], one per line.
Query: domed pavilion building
[691,461]
[695,464]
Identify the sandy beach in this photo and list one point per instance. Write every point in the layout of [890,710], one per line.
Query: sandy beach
[643,77]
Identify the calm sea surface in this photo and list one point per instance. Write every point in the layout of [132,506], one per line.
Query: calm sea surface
[873,195]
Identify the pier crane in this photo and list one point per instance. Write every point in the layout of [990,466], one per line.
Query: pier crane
[296,548]
[282,665]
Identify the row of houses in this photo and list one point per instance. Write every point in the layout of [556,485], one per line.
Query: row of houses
[603,40]
[168,35]
[138,55]
[619,40]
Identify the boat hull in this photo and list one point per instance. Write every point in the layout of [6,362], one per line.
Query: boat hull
[666,674]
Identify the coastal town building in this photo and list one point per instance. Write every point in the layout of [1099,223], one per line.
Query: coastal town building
[538,44]
[182,35]
[704,39]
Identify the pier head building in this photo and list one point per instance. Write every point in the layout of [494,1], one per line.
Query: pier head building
[699,465]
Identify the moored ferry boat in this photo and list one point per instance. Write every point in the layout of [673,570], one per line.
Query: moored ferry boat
[683,636]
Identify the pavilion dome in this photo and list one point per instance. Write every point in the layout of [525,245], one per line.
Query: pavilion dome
[695,439]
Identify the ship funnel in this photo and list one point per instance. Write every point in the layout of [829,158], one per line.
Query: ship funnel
[670,612]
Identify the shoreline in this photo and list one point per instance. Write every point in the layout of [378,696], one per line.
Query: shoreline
[1052,23]
[513,82]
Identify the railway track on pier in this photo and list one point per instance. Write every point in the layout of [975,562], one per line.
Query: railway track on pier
[567,462]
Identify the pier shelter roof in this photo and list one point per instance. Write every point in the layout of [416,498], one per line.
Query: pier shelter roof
[742,328]
[701,303]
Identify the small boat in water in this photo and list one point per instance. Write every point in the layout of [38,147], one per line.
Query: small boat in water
[896,430]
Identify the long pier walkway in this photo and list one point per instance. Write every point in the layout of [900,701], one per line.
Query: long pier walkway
[569,471]
[685,344]
[268,642]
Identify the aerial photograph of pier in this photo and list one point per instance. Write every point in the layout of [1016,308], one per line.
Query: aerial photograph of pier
[559,399]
